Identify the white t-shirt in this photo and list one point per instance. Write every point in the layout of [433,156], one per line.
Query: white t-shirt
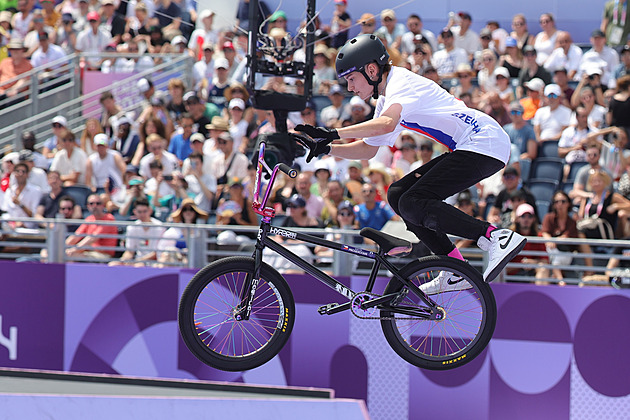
[169,164]
[446,62]
[558,59]
[571,136]
[597,115]
[103,169]
[143,240]
[470,41]
[432,112]
[76,163]
[551,122]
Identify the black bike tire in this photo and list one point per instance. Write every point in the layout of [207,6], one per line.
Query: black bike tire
[486,301]
[205,277]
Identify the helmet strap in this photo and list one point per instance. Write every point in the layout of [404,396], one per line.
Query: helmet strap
[374,83]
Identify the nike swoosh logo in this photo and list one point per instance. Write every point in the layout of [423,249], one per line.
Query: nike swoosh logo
[454,282]
[504,245]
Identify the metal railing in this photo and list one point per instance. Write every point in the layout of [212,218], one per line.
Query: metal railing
[203,247]
[59,92]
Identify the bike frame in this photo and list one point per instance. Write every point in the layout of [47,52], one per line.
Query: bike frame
[263,241]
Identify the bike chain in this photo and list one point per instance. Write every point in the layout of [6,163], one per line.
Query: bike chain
[383,318]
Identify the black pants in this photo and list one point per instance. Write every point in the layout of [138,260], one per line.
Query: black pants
[417,198]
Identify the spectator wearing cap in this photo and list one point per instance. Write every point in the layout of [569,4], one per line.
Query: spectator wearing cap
[330,115]
[513,57]
[46,54]
[545,40]
[93,40]
[203,35]
[575,139]
[596,112]
[340,23]
[415,27]
[298,214]
[531,69]
[532,99]
[50,202]
[391,29]
[52,18]
[513,191]
[277,20]
[229,52]
[10,68]
[66,34]
[561,78]
[551,120]
[28,143]
[219,82]
[218,126]
[201,112]
[309,114]
[367,23]
[53,143]
[526,224]
[464,77]
[21,198]
[464,37]
[112,22]
[567,55]
[105,167]
[180,142]
[238,125]
[623,68]
[36,176]
[521,133]
[125,140]
[323,73]
[503,85]
[356,110]
[203,69]
[70,161]
[485,37]
[229,163]
[446,60]
[599,56]
[616,23]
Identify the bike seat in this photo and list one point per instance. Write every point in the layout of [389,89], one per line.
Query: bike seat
[391,245]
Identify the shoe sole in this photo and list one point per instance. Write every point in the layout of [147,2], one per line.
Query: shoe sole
[497,270]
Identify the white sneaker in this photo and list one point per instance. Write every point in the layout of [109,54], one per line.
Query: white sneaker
[502,246]
[444,282]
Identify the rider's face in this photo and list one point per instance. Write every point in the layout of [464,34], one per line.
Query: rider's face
[359,85]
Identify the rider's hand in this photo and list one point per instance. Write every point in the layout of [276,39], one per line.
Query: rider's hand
[320,140]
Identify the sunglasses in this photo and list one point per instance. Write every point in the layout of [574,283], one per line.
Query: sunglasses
[221,142]
[346,213]
[463,76]
[509,176]
[188,209]
[367,24]
[426,148]
[57,125]
[527,215]
[307,112]
[516,112]
[543,21]
[94,203]
[66,208]
[552,96]
[560,201]
[367,191]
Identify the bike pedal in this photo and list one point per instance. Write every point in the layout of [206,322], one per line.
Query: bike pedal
[325,309]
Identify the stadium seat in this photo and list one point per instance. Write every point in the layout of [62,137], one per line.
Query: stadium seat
[547,168]
[542,207]
[79,193]
[543,189]
[575,167]
[548,149]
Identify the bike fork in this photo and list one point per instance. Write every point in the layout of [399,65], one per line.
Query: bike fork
[244,309]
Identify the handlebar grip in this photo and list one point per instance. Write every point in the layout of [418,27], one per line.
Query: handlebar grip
[288,170]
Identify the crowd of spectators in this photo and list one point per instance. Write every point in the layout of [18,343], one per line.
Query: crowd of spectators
[184,154]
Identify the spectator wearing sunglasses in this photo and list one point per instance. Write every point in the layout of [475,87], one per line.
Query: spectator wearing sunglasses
[551,120]
[87,241]
[521,133]
[526,224]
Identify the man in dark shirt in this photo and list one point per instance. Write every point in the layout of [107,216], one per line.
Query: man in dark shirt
[531,69]
[48,207]
[197,109]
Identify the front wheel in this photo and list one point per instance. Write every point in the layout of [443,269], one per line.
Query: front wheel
[466,323]
[209,323]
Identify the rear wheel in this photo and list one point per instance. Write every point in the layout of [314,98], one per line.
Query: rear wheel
[467,321]
[209,323]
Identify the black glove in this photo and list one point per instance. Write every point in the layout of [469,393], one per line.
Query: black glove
[319,143]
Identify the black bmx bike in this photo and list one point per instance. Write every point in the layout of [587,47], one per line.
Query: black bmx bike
[238,312]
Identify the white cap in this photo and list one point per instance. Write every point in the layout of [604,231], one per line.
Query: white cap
[205,13]
[356,101]
[552,89]
[124,120]
[592,69]
[221,63]
[13,157]
[502,71]
[535,84]
[178,40]
[60,120]
[237,103]
[143,85]
[101,140]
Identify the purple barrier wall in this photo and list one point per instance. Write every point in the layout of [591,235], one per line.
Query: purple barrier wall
[556,353]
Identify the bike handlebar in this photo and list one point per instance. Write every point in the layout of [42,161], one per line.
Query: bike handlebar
[292,173]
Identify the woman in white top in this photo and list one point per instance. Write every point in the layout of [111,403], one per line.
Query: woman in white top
[545,41]
[486,77]
[406,100]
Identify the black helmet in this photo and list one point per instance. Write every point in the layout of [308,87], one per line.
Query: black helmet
[360,51]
